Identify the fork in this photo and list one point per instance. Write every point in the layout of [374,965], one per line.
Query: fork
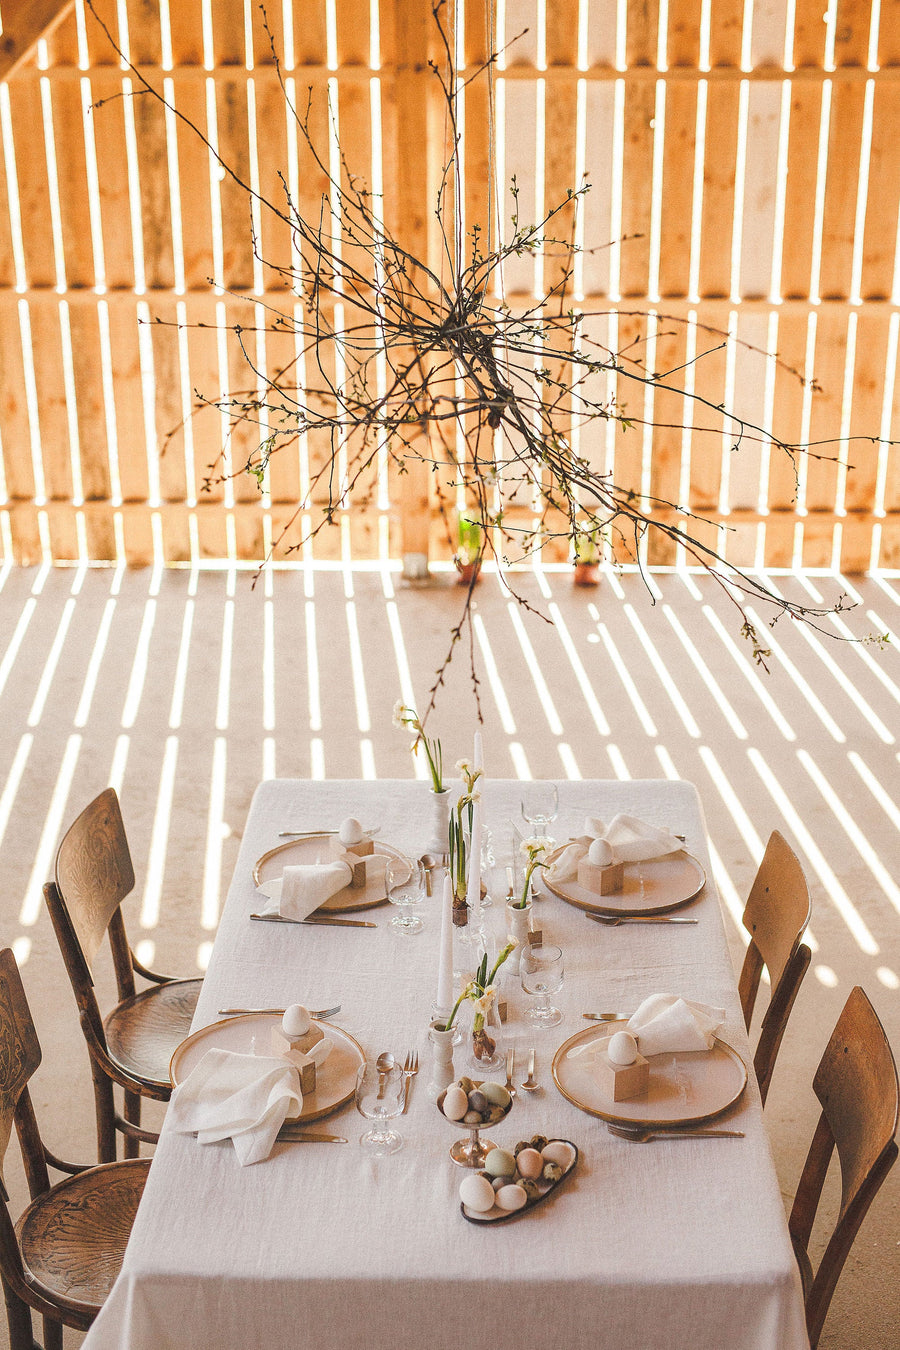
[410,1069]
[612,921]
[313,1012]
[639,1135]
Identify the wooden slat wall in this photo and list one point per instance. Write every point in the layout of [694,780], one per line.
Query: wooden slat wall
[738,204]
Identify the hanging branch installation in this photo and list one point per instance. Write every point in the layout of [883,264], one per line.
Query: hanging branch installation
[404,360]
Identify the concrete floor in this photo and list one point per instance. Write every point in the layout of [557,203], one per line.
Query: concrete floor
[184,689]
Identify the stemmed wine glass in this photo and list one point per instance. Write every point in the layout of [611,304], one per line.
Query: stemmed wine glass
[540,804]
[541,972]
[379,1097]
[404,882]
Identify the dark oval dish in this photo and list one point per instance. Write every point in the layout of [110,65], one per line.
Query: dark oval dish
[496,1215]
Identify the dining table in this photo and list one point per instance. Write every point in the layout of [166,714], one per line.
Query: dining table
[674,1244]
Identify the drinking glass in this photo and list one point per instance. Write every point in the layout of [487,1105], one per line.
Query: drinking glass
[540,804]
[379,1097]
[404,882]
[541,972]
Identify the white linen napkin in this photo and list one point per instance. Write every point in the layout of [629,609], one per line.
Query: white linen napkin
[244,1098]
[627,839]
[304,887]
[666,1023]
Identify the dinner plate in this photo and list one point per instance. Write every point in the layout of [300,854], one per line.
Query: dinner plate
[335,1080]
[685,1086]
[650,887]
[318,848]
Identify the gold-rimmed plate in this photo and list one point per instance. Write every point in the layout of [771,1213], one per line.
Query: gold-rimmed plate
[251,1034]
[319,848]
[650,887]
[685,1087]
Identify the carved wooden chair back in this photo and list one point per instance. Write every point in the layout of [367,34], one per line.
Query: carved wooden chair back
[132,1045]
[856,1084]
[775,915]
[50,1260]
[94,874]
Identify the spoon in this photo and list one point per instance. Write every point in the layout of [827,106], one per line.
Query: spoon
[510,1066]
[384,1063]
[529,1085]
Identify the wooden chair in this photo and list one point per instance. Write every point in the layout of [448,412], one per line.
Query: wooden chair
[65,1251]
[132,1046]
[775,916]
[856,1084]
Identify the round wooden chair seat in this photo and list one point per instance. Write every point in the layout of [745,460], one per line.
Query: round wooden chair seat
[142,1032]
[73,1237]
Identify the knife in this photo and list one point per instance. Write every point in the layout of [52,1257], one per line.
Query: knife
[309,834]
[289,1134]
[337,923]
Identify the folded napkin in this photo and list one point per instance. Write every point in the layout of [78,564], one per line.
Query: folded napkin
[625,839]
[666,1023]
[302,888]
[244,1098]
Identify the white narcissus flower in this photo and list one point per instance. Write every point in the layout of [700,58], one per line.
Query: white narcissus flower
[484,1004]
[463,766]
[398,719]
[532,847]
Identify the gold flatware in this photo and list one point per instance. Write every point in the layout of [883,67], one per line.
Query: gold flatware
[410,1069]
[510,1070]
[288,1134]
[639,1134]
[607,1017]
[318,1013]
[335,923]
[613,920]
[311,834]
[530,1084]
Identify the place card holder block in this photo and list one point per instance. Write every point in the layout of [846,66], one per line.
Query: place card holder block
[623,1081]
[601,880]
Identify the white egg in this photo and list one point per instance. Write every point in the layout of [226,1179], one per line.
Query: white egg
[456,1103]
[600,853]
[296,1021]
[622,1048]
[351,832]
[511,1198]
[477,1193]
[558,1151]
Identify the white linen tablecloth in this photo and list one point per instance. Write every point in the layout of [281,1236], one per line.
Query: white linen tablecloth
[677,1245]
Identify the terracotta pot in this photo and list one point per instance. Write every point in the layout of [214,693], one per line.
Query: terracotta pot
[586,574]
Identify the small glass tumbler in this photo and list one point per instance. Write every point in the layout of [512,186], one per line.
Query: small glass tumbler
[379,1097]
[541,972]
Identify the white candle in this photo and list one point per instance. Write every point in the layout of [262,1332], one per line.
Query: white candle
[444,1004]
[473,888]
[478,752]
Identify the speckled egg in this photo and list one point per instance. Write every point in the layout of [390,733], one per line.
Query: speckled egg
[296,1021]
[477,1101]
[530,1163]
[351,832]
[511,1198]
[456,1103]
[622,1048]
[477,1193]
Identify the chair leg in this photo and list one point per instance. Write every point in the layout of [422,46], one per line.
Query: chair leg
[18,1319]
[53,1334]
[133,1116]
[105,1113]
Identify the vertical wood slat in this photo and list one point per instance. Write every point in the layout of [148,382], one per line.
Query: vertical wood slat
[15,435]
[131,439]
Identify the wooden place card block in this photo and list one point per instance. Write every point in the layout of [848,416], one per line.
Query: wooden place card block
[601,880]
[623,1081]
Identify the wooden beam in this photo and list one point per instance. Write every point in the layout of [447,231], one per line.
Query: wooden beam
[24,26]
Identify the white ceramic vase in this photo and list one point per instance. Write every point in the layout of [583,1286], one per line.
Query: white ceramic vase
[518,925]
[439,828]
[442,1074]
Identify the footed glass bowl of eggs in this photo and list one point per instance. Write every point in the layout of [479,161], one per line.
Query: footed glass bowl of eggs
[515,1181]
[475,1106]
